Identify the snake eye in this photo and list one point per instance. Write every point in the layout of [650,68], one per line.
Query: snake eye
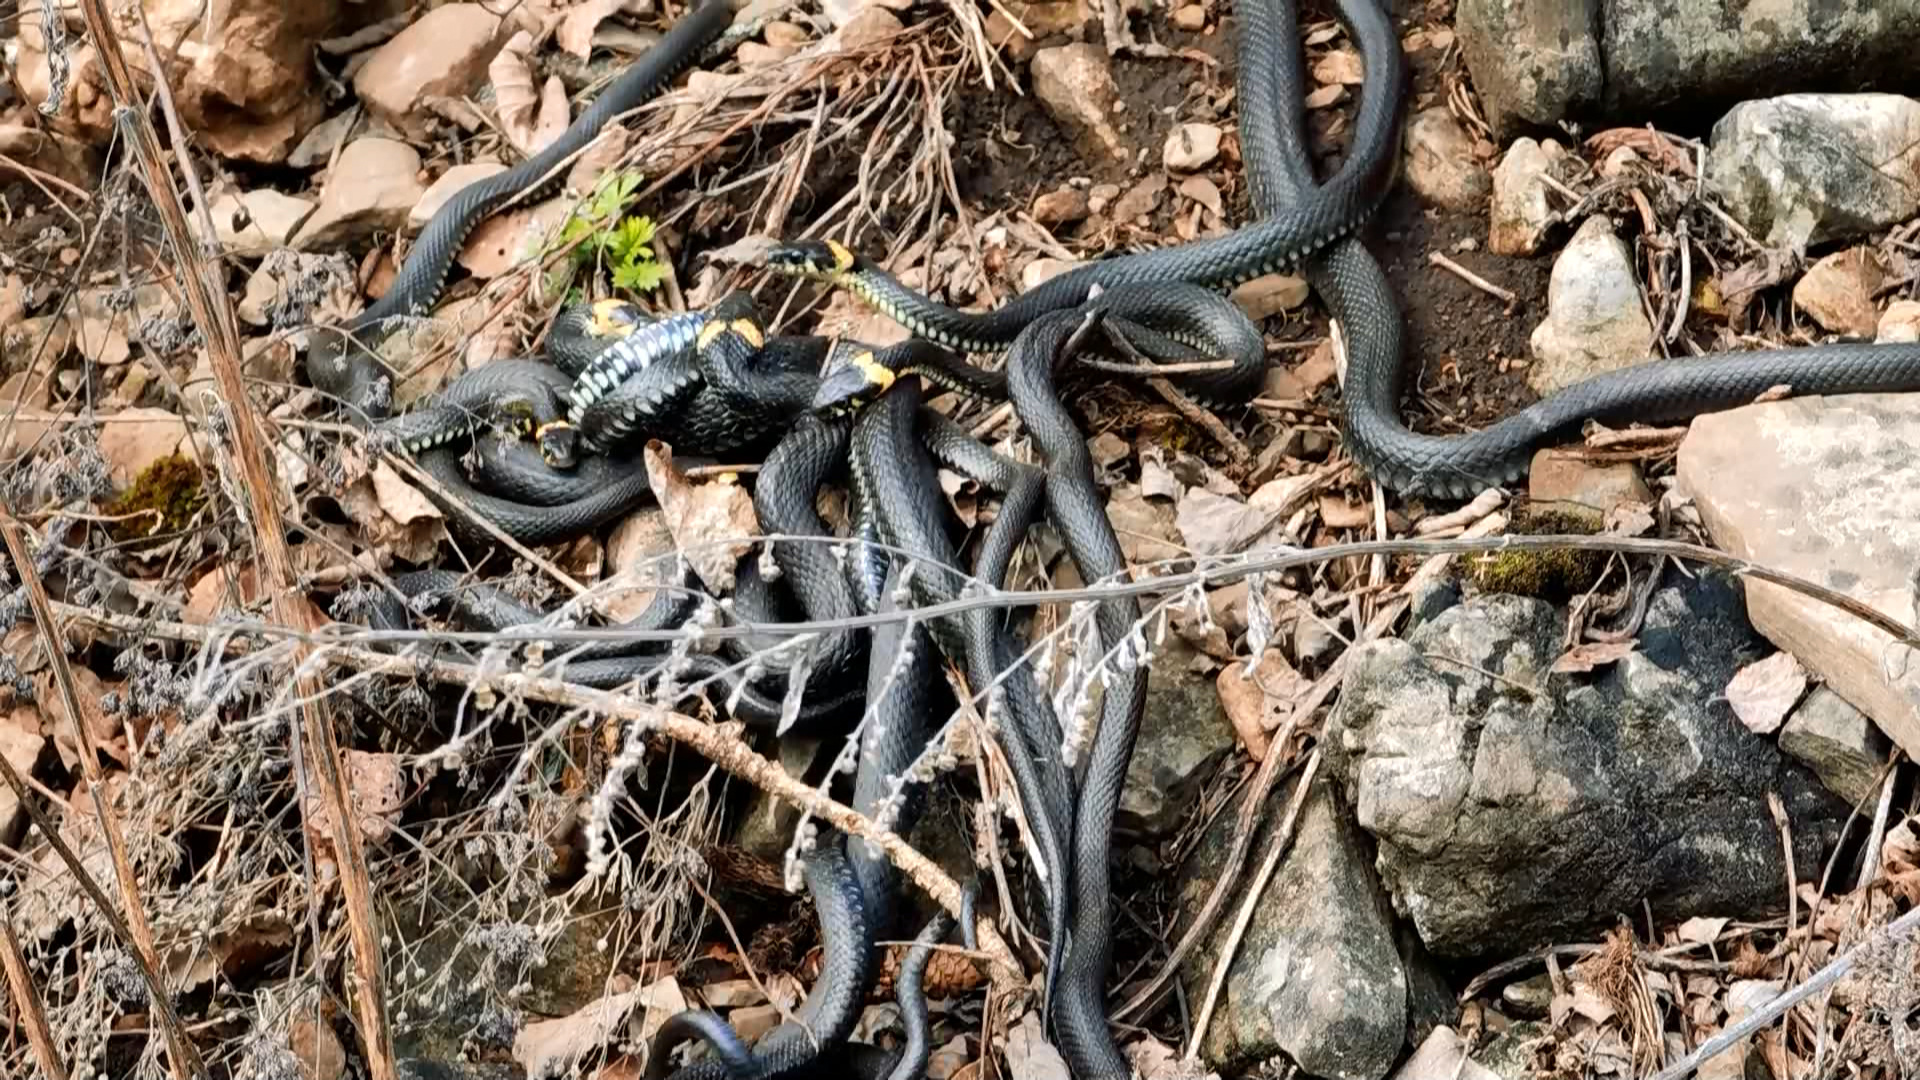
[559,444]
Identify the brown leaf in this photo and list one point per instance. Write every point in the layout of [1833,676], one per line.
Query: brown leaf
[1701,929]
[413,541]
[379,790]
[1341,66]
[1326,96]
[1765,691]
[713,523]
[575,33]
[1592,654]
[1257,706]
[551,1047]
[398,499]
[514,95]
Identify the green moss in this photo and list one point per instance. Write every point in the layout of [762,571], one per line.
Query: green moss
[168,488]
[1557,575]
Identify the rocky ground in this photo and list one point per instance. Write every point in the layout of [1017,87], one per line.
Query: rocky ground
[1508,814]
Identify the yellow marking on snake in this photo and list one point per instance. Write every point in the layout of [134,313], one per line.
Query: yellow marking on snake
[604,323]
[750,330]
[843,259]
[551,425]
[708,333]
[877,373]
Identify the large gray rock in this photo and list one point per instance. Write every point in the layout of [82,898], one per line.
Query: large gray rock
[1539,62]
[1839,742]
[1318,976]
[1534,62]
[1513,806]
[1807,168]
[1829,489]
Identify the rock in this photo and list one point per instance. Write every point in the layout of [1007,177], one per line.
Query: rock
[242,79]
[1190,147]
[753,1021]
[1444,1054]
[1521,213]
[1537,63]
[1075,84]
[1824,488]
[1594,321]
[1329,991]
[1901,322]
[1312,641]
[871,26]
[316,146]
[1808,168]
[444,53]
[1511,811]
[752,54]
[253,223]
[1052,17]
[1441,165]
[1838,742]
[1270,294]
[1141,199]
[445,188]
[1183,736]
[766,825]
[133,439]
[1582,487]
[1190,17]
[1534,62]
[1101,196]
[370,189]
[1838,292]
[842,12]
[1062,206]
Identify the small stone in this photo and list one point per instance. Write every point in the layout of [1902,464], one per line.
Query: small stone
[1075,85]
[253,223]
[1183,735]
[1521,213]
[1587,489]
[445,188]
[1594,322]
[1312,641]
[785,35]
[1441,166]
[1060,207]
[1838,292]
[1141,199]
[262,290]
[1190,17]
[1529,998]
[370,189]
[871,26]
[1043,268]
[1839,742]
[753,54]
[1002,35]
[1619,161]
[444,53]
[732,994]
[1191,146]
[1270,294]
[1101,196]
[1901,322]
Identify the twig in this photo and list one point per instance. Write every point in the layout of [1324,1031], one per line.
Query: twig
[1773,1010]
[1148,370]
[213,316]
[26,1001]
[135,932]
[1236,450]
[1281,841]
[1505,296]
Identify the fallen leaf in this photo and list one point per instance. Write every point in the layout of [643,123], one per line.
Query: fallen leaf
[1156,480]
[1259,703]
[515,98]
[1030,1056]
[1216,525]
[713,523]
[379,790]
[1701,930]
[1326,96]
[1341,66]
[1592,654]
[1764,692]
[575,33]
[546,1048]
[639,556]
[88,687]
[603,153]
[1444,1053]
[398,499]
[133,439]
[413,541]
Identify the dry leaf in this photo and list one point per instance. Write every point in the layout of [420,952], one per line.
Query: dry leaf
[379,790]
[398,499]
[1444,1053]
[1322,34]
[1701,930]
[1030,1056]
[1216,525]
[1591,655]
[413,541]
[515,98]
[1327,96]
[575,33]
[546,1048]
[713,523]
[1257,706]
[1341,66]
[1764,692]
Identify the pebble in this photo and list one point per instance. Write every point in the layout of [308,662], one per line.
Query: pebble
[1838,292]
[1900,323]
[1270,294]
[1075,84]
[1191,146]
[1521,212]
[1061,206]
[1441,166]
[1190,17]
[1594,322]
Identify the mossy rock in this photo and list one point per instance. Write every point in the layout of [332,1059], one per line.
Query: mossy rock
[1555,575]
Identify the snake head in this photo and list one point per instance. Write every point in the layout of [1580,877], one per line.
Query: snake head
[854,378]
[611,319]
[825,260]
[559,444]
